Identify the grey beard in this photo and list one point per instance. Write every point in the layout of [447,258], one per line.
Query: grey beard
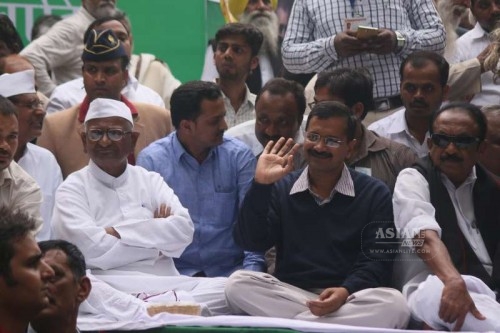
[268,25]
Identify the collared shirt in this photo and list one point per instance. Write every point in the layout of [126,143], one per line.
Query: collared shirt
[468,46]
[381,158]
[394,127]
[90,200]
[244,113]
[212,191]
[41,164]
[73,92]
[309,47]
[344,186]
[414,211]
[19,191]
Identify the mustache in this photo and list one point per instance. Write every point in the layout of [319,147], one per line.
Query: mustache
[318,154]
[269,138]
[418,103]
[450,158]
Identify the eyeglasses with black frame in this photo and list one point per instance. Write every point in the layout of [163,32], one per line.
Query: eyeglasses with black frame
[461,142]
[114,134]
[329,141]
[33,105]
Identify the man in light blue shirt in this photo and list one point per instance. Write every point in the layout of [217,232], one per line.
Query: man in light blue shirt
[210,174]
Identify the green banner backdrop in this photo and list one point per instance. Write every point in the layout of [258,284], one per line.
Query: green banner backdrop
[176,31]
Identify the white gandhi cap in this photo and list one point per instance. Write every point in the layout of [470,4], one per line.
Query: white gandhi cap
[17,83]
[105,107]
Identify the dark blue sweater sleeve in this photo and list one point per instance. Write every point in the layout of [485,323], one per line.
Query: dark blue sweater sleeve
[373,267]
[255,229]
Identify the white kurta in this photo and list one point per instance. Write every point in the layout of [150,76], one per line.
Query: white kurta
[40,164]
[90,200]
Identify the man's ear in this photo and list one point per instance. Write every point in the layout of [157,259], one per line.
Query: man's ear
[134,136]
[186,125]
[482,146]
[254,63]
[429,143]
[125,77]
[83,136]
[350,148]
[357,110]
[84,288]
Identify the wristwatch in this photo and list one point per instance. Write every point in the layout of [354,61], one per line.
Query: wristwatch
[400,41]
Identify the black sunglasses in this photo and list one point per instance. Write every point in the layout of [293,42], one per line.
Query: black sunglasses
[461,142]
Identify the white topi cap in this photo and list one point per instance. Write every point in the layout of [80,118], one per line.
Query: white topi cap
[17,83]
[105,107]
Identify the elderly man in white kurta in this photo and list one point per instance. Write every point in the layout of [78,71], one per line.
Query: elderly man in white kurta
[127,221]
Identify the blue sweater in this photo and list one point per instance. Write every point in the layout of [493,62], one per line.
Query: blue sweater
[333,245]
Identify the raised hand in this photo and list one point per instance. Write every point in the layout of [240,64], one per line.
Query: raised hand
[275,161]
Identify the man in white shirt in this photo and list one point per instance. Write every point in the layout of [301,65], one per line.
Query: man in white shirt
[473,42]
[38,162]
[127,221]
[71,93]
[424,77]
[447,209]
[17,189]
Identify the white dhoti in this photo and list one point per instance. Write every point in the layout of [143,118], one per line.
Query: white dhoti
[206,291]
[425,301]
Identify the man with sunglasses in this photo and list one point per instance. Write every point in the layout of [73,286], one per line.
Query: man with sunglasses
[105,73]
[38,162]
[449,207]
[324,221]
[127,221]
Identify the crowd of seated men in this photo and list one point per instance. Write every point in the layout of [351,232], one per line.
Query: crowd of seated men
[368,198]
